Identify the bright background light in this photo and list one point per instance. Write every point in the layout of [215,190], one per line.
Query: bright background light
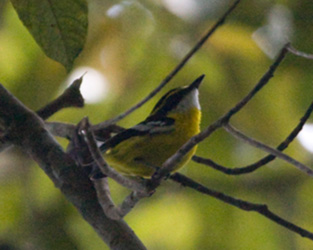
[306,137]
[186,9]
[276,32]
[95,85]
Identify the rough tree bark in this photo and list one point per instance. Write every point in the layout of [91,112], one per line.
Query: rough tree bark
[24,128]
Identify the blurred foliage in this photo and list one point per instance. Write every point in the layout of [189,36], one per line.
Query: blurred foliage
[134,45]
[59,27]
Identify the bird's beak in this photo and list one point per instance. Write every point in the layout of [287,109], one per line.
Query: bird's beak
[196,83]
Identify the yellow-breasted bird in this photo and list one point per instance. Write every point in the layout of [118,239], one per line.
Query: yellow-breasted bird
[141,149]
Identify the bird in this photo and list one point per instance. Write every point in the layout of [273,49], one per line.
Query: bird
[143,148]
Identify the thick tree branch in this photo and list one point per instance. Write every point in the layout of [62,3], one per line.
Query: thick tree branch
[71,97]
[24,128]
[244,205]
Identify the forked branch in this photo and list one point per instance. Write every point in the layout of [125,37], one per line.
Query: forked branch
[25,129]
[236,133]
[173,160]
[262,162]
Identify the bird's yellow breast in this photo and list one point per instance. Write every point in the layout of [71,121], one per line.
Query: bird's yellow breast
[142,155]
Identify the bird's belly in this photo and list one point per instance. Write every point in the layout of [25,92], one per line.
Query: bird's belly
[142,155]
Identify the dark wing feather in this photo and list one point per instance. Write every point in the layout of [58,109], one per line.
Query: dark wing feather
[152,125]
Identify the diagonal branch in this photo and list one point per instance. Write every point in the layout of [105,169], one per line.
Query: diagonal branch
[236,133]
[252,167]
[300,53]
[101,184]
[87,133]
[71,97]
[25,129]
[61,129]
[244,205]
[104,197]
[174,71]
[168,166]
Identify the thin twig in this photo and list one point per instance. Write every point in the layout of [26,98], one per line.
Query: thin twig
[66,130]
[252,167]
[244,205]
[174,71]
[87,133]
[268,149]
[130,201]
[300,53]
[60,129]
[104,197]
[107,204]
[174,159]
[101,185]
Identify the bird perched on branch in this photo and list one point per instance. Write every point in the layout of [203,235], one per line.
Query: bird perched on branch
[142,149]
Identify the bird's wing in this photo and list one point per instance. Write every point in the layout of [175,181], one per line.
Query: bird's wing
[150,126]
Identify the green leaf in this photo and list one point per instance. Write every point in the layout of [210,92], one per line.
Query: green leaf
[59,27]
